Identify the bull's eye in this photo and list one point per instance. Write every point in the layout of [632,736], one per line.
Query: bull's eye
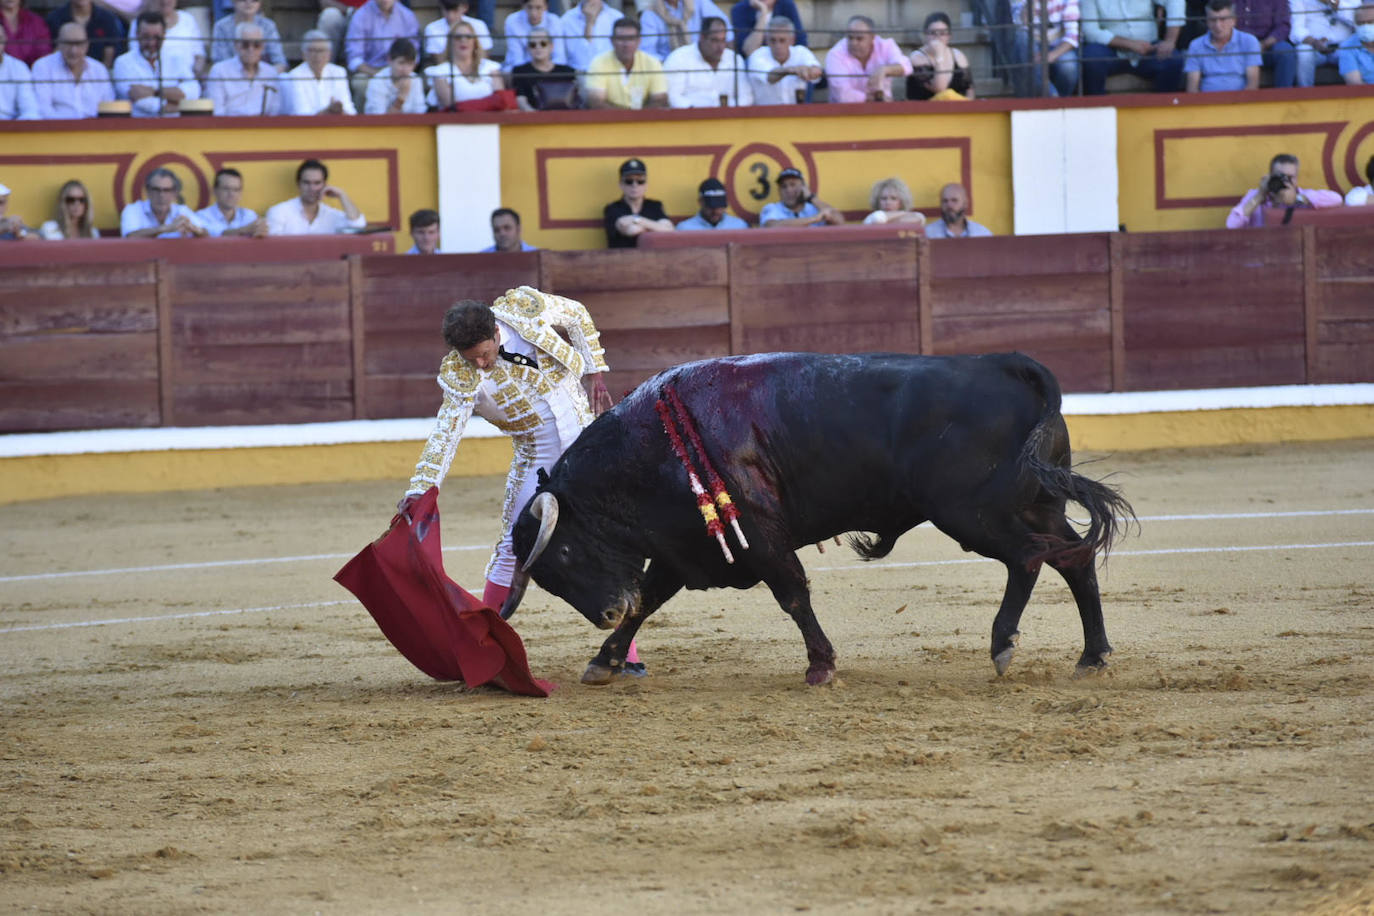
[564,553]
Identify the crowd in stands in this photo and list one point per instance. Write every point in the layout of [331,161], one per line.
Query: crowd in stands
[149,58]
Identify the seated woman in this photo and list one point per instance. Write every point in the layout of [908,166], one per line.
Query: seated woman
[891,203]
[465,74]
[75,215]
[541,84]
[939,72]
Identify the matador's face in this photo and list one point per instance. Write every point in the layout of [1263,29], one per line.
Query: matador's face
[485,354]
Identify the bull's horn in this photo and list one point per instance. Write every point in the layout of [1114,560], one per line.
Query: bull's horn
[544,508]
[518,583]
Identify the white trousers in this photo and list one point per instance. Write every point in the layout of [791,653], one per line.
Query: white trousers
[539,448]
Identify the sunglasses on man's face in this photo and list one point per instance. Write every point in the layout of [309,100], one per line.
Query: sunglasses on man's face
[540,43]
[250,44]
[632,180]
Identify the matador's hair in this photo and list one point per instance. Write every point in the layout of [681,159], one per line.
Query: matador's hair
[468,323]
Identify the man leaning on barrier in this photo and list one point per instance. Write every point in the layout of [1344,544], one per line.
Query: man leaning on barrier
[160,214]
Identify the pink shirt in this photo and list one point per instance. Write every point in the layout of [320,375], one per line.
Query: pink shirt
[1236,218]
[849,79]
[30,40]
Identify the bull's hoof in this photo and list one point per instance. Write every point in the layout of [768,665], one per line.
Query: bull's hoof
[1002,660]
[1090,667]
[598,675]
[818,675]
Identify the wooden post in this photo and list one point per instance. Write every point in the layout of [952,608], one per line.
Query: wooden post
[924,321]
[1311,302]
[357,331]
[165,355]
[731,297]
[1116,304]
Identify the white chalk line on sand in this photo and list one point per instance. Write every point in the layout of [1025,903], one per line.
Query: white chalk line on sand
[304,558]
[874,565]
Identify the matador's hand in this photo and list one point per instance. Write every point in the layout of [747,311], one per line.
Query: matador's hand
[404,507]
[601,398]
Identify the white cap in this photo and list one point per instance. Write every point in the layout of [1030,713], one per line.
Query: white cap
[4,191]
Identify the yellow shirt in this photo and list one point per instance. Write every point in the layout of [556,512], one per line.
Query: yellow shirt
[627,90]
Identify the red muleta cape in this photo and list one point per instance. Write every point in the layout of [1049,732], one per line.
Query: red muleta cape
[443,630]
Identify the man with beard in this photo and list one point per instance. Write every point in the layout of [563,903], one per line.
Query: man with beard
[305,215]
[954,222]
[797,207]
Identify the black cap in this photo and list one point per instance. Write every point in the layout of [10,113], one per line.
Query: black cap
[633,167]
[790,173]
[713,192]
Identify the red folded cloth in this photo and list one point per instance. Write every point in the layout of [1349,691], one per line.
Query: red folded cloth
[443,630]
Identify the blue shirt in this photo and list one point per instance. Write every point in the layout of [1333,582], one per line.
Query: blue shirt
[1351,54]
[139,215]
[937,229]
[778,210]
[524,246]
[215,223]
[1223,70]
[726,222]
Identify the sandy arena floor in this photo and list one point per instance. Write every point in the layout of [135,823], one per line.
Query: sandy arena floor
[185,735]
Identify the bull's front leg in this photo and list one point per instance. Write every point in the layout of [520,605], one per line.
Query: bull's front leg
[658,587]
[790,588]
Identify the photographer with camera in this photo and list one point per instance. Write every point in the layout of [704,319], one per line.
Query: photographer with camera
[1279,188]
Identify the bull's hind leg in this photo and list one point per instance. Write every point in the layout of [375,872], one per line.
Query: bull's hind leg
[658,587]
[789,587]
[1006,625]
[1082,582]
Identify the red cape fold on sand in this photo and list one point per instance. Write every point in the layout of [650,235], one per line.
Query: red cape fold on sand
[443,630]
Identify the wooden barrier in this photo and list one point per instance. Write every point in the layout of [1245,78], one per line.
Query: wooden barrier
[158,343]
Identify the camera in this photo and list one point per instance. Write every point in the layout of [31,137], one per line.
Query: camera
[1277,183]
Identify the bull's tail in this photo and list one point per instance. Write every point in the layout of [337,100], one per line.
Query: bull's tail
[1045,455]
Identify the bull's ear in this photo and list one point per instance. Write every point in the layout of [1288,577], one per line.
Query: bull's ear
[542,479]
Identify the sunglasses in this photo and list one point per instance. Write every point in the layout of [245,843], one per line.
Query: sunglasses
[250,44]
[937,32]
[170,189]
[74,200]
[633,180]
[463,37]
[540,43]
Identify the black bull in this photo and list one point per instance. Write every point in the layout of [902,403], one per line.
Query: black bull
[811,446]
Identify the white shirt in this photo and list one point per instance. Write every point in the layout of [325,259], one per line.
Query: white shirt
[212,217]
[579,48]
[60,95]
[656,40]
[464,89]
[183,43]
[288,218]
[1314,19]
[17,101]
[692,83]
[139,215]
[381,92]
[1359,197]
[436,36]
[133,69]
[236,94]
[518,29]
[303,94]
[784,91]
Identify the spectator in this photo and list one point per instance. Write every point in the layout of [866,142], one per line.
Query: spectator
[245,86]
[634,214]
[103,28]
[861,66]
[223,37]
[182,39]
[12,228]
[154,82]
[781,70]
[29,38]
[626,77]
[587,32]
[796,206]
[751,19]
[1121,37]
[306,214]
[316,87]
[225,217]
[75,215]
[954,222]
[373,28]
[17,99]
[1319,26]
[1271,22]
[158,214]
[540,83]
[333,22]
[669,25]
[424,229]
[712,200]
[937,70]
[892,203]
[466,75]
[1225,59]
[1363,196]
[396,89]
[505,232]
[436,34]
[67,83]
[707,74]
[1355,55]
[533,14]
[1061,40]
[1278,188]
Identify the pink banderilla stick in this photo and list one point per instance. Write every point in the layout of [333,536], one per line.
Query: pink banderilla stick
[728,510]
[704,504]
